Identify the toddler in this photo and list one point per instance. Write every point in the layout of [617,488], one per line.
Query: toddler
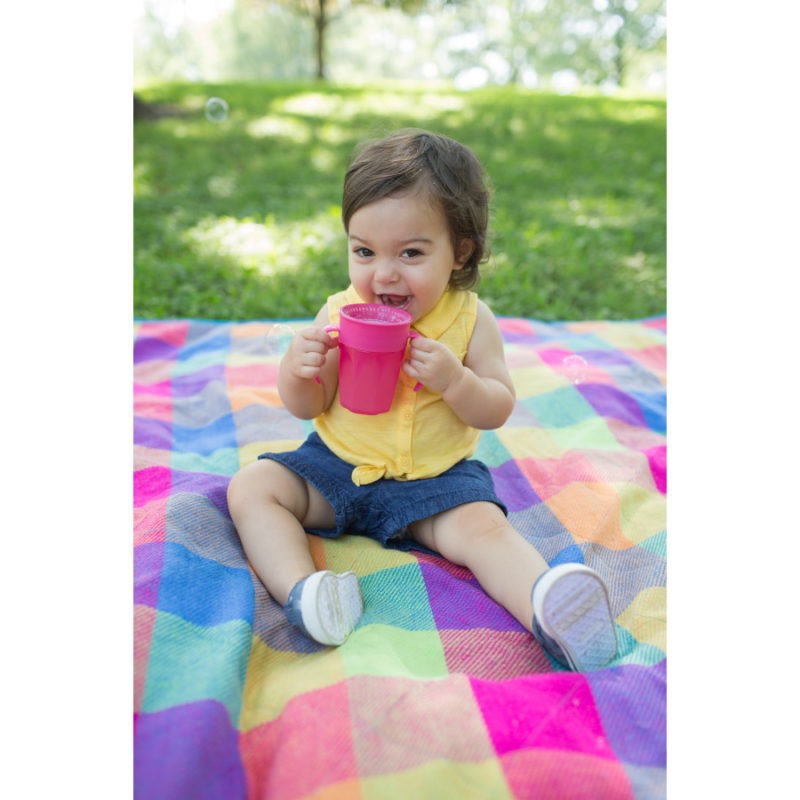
[415,209]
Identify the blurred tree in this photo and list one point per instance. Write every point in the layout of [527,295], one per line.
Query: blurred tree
[640,27]
[322,12]
[596,39]
[259,40]
[160,49]
[559,44]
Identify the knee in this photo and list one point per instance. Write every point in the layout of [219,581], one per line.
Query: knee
[248,485]
[467,529]
[262,482]
[239,490]
[489,531]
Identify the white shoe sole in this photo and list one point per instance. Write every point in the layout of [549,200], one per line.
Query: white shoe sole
[571,606]
[331,606]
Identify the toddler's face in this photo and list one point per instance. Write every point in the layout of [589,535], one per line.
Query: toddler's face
[400,253]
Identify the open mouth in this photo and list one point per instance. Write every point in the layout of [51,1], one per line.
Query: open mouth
[395,300]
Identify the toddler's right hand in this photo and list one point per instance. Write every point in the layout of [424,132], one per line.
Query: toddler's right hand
[307,353]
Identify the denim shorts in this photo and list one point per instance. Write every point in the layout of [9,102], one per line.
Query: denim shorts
[383,510]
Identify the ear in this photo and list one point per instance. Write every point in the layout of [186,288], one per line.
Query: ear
[465,250]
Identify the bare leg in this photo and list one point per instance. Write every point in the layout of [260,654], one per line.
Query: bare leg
[269,505]
[479,537]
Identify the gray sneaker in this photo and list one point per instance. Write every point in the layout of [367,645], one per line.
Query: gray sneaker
[572,617]
[326,606]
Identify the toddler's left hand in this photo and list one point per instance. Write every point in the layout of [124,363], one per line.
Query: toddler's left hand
[432,363]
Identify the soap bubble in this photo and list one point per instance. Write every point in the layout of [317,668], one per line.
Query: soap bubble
[216,109]
[576,368]
[279,338]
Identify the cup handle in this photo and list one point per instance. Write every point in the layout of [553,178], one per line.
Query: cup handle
[415,335]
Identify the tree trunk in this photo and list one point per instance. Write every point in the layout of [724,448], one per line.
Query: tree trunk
[321,22]
[619,58]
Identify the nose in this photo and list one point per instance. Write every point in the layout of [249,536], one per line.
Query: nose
[385,271]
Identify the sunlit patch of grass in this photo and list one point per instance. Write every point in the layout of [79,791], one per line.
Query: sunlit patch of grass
[632,111]
[274,125]
[334,134]
[314,104]
[194,102]
[267,247]
[141,180]
[323,159]
[222,185]
[416,105]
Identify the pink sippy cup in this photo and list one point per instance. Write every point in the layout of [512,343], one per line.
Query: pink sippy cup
[372,347]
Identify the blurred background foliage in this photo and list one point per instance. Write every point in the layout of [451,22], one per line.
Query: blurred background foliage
[546,44]
[237,214]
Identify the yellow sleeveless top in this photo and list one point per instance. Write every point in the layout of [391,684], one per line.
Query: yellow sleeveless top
[419,437]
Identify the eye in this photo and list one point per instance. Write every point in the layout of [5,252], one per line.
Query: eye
[363,252]
[412,252]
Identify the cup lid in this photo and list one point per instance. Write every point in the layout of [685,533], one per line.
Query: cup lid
[375,313]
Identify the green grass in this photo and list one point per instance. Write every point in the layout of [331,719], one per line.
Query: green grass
[240,219]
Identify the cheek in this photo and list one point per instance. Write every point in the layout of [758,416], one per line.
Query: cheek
[355,272]
[435,283]
[360,278]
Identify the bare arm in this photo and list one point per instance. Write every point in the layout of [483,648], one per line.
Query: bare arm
[480,391]
[308,374]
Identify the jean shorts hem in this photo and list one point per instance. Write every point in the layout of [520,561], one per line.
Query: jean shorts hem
[383,510]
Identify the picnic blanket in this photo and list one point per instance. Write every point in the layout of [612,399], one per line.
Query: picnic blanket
[439,692]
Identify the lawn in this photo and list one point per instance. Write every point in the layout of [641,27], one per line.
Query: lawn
[239,218]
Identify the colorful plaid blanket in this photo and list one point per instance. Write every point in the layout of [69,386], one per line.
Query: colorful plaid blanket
[439,692]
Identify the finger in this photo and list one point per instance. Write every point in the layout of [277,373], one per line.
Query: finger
[314,345]
[314,359]
[416,357]
[422,345]
[319,335]
[308,374]
[410,370]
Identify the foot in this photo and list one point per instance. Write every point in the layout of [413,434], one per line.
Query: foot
[326,606]
[572,617]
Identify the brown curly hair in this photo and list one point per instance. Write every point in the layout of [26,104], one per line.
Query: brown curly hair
[450,172]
